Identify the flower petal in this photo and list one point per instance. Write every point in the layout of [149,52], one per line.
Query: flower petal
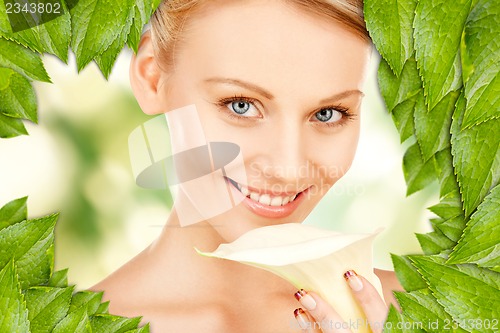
[310,258]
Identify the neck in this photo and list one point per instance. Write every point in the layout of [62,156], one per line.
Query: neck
[176,263]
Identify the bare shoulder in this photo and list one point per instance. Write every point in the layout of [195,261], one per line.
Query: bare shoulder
[390,283]
[125,288]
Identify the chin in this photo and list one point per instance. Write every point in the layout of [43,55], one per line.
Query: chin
[241,219]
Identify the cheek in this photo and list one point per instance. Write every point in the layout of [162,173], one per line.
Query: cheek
[331,156]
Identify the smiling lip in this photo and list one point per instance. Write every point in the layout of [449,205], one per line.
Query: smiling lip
[264,203]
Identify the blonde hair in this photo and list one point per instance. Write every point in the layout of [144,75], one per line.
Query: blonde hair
[169,19]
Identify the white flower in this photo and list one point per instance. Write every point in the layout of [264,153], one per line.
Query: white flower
[311,259]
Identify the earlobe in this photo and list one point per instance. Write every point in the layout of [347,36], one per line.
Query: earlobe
[145,78]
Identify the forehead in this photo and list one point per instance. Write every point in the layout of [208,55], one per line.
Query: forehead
[274,45]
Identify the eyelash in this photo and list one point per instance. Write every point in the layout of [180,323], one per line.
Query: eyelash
[346,114]
[222,104]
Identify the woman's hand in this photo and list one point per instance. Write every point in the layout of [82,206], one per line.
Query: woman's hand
[319,316]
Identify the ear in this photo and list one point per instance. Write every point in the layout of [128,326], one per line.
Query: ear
[146,78]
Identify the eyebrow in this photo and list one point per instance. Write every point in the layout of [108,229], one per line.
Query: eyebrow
[342,95]
[268,95]
[244,84]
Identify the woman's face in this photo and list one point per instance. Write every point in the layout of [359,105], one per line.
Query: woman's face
[285,86]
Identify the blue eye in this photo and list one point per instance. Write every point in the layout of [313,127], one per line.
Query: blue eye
[328,115]
[240,107]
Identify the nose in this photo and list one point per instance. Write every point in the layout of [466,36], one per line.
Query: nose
[286,154]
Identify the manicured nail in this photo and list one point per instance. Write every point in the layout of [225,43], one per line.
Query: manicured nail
[300,315]
[353,280]
[305,299]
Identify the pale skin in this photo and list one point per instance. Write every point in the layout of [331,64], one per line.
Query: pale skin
[288,65]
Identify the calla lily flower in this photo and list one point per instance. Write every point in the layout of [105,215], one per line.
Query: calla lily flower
[310,258]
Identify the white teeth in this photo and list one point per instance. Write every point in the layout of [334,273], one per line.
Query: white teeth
[276,201]
[254,196]
[244,190]
[265,199]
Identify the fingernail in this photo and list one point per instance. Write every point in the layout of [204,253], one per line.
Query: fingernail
[305,299]
[300,315]
[353,280]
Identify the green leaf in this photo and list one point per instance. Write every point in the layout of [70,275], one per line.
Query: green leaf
[452,222]
[96,24]
[443,162]
[105,323]
[144,329]
[438,29]
[423,309]
[392,323]
[390,25]
[22,60]
[481,49]
[156,3]
[47,306]
[30,243]
[17,96]
[407,274]
[471,295]
[496,269]
[142,13]
[397,89]
[418,174]
[399,323]
[106,60]
[6,25]
[103,308]
[11,127]
[59,279]
[55,35]
[432,128]
[400,95]
[451,229]
[13,212]
[14,316]
[434,242]
[476,157]
[465,162]
[89,300]
[52,37]
[480,242]
[77,322]
[402,116]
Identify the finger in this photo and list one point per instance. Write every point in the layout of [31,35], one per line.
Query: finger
[306,321]
[315,326]
[325,317]
[369,299]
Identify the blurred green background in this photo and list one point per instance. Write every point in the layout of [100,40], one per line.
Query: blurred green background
[76,162]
